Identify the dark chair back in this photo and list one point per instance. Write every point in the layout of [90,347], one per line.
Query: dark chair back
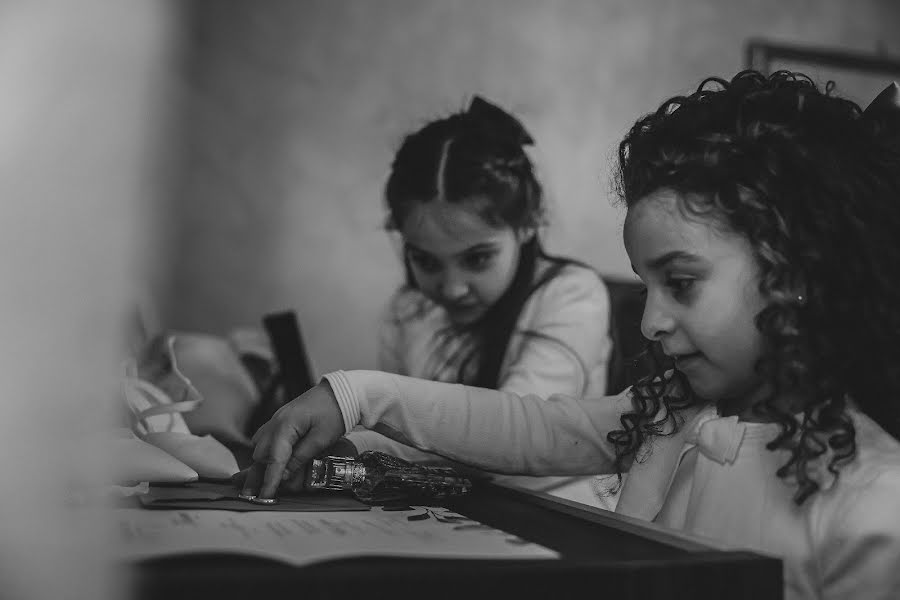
[293,373]
[626,310]
[294,367]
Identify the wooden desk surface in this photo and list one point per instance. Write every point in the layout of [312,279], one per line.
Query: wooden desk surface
[603,556]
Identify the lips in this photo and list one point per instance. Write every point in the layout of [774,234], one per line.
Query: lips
[461,307]
[682,360]
[463,313]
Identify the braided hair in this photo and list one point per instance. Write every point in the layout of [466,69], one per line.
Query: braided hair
[476,158]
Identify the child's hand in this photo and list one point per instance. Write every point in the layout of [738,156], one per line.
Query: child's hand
[299,431]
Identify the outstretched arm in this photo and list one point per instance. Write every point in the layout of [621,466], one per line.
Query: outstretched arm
[561,346]
[488,429]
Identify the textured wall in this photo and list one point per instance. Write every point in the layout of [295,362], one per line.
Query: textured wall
[295,108]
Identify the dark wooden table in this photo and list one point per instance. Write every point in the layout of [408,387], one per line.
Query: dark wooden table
[603,555]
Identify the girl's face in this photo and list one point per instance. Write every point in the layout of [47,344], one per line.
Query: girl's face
[458,259]
[702,298]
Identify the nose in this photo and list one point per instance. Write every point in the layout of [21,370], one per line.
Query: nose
[454,286]
[656,321]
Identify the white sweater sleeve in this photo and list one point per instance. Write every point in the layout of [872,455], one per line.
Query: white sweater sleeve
[488,429]
[563,347]
[390,342]
[364,440]
[564,343]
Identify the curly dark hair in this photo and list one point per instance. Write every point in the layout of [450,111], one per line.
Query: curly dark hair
[814,184]
[477,158]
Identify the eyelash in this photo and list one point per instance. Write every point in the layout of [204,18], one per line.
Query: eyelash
[473,262]
[479,261]
[680,286]
[425,263]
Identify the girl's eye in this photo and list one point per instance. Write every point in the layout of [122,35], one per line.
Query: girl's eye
[478,261]
[680,285]
[425,263]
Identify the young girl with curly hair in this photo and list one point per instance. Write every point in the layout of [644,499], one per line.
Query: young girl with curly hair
[763,217]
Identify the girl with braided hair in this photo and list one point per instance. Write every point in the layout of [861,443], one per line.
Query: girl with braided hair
[763,217]
[483,303]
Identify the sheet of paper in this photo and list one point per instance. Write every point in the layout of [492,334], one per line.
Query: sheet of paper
[307,537]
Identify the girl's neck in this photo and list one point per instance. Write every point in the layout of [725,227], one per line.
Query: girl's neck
[791,402]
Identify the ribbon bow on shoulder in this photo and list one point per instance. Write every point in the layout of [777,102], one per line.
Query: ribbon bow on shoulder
[719,438]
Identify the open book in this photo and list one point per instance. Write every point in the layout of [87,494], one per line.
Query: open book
[301,538]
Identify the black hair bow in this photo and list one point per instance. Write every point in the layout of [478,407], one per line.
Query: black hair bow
[887,102]
[497,120]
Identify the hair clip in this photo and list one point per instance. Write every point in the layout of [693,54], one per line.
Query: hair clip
[888,101]
[499,121]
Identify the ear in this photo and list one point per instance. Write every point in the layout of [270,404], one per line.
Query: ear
[793,294]
[798,291]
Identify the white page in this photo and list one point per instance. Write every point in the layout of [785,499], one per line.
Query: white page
[301,538]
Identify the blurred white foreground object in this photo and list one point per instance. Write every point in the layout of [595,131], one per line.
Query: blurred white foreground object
[80,123]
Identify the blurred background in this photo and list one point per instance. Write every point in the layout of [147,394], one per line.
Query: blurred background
[217,160]
[292,112]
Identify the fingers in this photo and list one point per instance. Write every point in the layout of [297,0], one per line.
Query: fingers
[292,469]
[295,472]
[253,476]
[297,432]
[295,481]
[308,448]
[270,460]
[257,435]
[272,475]
[238,478]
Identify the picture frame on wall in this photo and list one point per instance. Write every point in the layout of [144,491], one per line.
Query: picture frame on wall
[857,76]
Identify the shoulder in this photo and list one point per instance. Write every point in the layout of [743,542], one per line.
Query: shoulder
[570,310]
[877,460]
[571,296]
[863,502]
[857,532]
[571,284]
[873,505]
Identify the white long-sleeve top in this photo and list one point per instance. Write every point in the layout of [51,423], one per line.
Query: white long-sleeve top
[713,477]
[560,345]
